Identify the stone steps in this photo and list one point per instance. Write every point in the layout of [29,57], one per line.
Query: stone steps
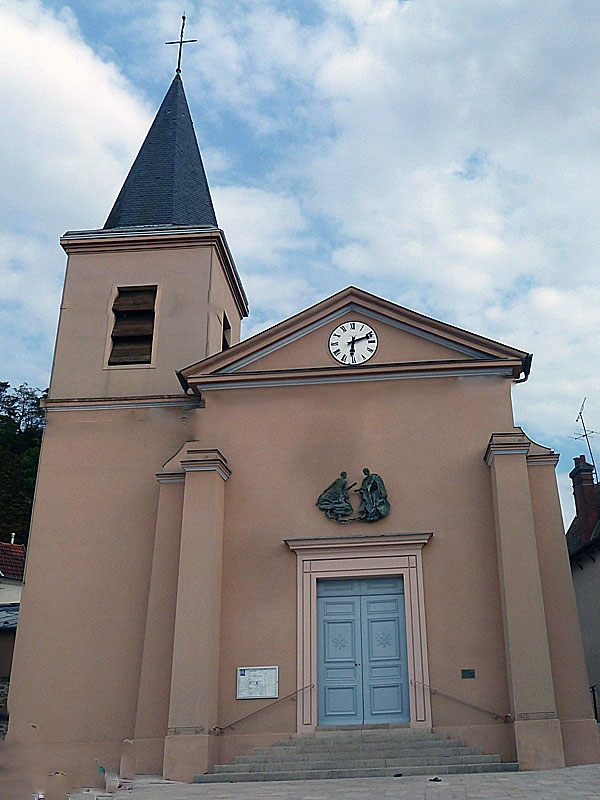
[372,763]
[320,742]
[382,753]
[357,753]
[369,747]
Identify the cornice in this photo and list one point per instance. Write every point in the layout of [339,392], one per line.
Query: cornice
[170,477]
[151,238]
[362,541]
[154,238]
[192,457]
[367,372]
[536,460]
[208,462]
[511,443]
[118,403]
[517,442]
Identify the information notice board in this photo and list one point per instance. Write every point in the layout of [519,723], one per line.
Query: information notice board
[257,682]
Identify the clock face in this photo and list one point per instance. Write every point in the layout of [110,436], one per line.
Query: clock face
[353,343]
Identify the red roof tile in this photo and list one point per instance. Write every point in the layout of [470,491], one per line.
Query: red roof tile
[12,561]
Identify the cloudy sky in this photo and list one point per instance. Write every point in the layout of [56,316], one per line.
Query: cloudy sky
[444,154]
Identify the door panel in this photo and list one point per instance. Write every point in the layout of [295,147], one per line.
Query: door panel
[359,586]
[339,644]
[362,673]
[384,702]
[341,641]
[385,682]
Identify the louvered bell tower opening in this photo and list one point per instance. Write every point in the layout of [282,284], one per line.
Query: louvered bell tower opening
[133,328]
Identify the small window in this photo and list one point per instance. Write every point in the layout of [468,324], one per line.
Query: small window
[226,341]
[134,325]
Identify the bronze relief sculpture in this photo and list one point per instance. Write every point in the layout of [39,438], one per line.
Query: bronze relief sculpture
[335,500]
[374,505]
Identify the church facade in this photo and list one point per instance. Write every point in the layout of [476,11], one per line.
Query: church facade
[334,522]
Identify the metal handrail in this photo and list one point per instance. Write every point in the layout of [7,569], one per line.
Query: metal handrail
[595,697]
[503,717]
[219,730]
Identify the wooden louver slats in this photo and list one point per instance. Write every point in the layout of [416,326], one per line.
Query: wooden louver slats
[135,299]
[133,328]
[134,325]
[131,351]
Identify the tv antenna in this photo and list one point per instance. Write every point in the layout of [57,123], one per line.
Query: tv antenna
[586,435]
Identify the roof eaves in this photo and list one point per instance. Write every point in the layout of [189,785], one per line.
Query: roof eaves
[592,544]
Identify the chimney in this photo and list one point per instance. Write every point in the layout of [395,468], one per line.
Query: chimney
[585,498]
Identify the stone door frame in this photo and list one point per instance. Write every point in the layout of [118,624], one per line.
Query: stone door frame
[361,557]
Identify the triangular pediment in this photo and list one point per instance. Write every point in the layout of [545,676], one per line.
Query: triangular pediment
[298,350]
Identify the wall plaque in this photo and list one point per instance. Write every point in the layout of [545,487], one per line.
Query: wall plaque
[257,682]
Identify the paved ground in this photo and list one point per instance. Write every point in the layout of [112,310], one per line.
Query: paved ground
[573,783]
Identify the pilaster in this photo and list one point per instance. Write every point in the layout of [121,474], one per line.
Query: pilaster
[571,687]
[195,663]
[155,675]
[533,706]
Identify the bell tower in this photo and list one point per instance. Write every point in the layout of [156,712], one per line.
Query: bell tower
[151,292]
[156,288]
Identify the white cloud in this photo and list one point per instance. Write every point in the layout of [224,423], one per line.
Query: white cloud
[69,130]
[272,295]
[562,328]
[76,122]
[262,227]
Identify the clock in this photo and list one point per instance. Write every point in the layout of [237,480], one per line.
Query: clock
[353,342]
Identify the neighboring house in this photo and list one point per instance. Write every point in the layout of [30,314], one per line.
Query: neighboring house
[583,539]
[12,564]
[339,508]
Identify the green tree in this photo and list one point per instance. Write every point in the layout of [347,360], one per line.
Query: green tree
[21,425]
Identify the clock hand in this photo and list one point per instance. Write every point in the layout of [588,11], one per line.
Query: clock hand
[360,338]
[352,343]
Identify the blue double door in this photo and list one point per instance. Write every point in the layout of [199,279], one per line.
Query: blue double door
[362,671]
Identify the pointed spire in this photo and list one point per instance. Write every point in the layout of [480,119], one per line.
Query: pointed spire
[167,184]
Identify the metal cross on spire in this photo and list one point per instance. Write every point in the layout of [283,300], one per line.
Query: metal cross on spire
[181,41]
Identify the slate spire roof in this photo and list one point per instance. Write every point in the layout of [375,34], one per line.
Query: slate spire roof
[167,184]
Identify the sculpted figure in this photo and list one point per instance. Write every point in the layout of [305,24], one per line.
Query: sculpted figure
[335,500]
[373,498]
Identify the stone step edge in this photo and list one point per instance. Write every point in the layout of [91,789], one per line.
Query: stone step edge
[381,726]
[278,758]
[362,746]
[387,763]
[445,769]
[353,741]
[371,736]
[355,730]
[313,744]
